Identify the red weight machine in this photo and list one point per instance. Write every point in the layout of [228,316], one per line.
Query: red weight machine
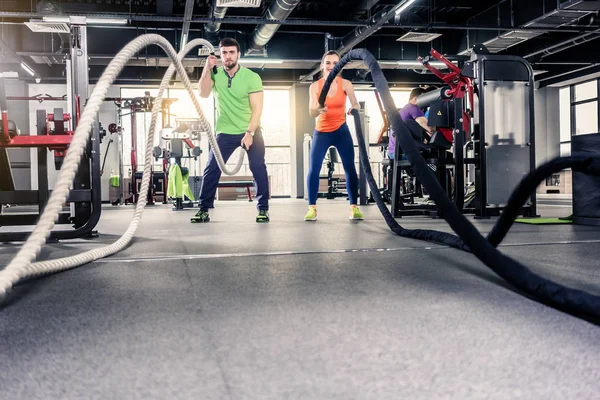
[54,133]
[141,105]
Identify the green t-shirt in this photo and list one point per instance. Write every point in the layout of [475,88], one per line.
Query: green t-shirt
[233,99]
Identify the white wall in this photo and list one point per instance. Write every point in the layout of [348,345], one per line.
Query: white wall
[547,124]
[18,113]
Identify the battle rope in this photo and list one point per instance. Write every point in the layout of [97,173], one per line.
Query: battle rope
[569,299]
[21,267]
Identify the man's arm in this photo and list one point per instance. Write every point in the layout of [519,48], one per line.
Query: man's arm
[256,104]
[424,124]
[205,84]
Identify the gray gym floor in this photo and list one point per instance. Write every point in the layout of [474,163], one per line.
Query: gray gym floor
[332,309]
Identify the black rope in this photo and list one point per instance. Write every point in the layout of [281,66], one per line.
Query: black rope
[569,299]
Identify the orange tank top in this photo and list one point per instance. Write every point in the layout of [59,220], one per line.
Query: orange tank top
[336,105]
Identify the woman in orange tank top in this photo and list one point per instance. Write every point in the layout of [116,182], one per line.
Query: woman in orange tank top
[332,131]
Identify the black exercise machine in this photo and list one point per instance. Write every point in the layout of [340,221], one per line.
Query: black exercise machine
[496,91]
[334,185]
[177,144]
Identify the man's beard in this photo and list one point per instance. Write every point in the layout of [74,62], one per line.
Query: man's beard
[232,65]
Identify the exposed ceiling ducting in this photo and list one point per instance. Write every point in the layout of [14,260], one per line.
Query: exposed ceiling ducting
[212,28]
[361,33]
[564,45]
[279,10]
[568,13]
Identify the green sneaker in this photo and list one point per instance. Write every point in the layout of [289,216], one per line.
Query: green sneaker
[201,216]
[355,213]
[311,215]
[263,216]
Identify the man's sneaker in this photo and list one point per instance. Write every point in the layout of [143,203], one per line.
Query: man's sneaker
[263,216]
[201,216]
[311,215]
[355,213]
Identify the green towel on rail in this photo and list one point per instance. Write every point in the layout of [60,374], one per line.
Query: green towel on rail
[178,184]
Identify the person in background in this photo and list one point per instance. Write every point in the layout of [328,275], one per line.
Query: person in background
[331,130]
[410,112]
[239,96]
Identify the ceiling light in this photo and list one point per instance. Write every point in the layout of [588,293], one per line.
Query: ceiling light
[27,68]
[9,74]
[404,6]
[261,60]
[417,63]
[90,21]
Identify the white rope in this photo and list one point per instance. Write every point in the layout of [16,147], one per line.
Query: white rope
[21,266]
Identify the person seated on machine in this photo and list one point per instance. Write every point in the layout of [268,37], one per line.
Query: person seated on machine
[411,112]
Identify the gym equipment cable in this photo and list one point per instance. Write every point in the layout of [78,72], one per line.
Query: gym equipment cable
[21,266]
[568,299]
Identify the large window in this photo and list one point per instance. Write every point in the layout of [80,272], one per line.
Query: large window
[584,108]
[275,124]
[579,110]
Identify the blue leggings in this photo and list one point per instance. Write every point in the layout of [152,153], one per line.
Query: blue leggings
[321,142]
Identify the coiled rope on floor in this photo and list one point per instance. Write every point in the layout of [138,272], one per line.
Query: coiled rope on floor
[21,266]
[469,239]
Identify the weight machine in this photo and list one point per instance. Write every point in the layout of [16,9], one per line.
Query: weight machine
[174,144]
[54,133]
[334,185]
[485,114]
[136,106]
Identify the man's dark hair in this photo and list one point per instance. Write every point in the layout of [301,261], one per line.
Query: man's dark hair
[228,42]
[416,92]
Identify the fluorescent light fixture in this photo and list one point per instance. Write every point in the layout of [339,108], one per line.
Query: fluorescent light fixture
[107,21]
[27,68]
[418,64]
[404,6]
[261,61]
[91,21]
[9,74]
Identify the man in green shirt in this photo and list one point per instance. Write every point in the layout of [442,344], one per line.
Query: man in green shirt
[239,95]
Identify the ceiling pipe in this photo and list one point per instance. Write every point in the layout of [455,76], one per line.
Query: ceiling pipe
[566,44]
[212,28]
[187,17]
[361,33]
[279,11]
[299,22]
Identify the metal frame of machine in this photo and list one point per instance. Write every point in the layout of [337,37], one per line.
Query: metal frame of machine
[85,198]
[452,110]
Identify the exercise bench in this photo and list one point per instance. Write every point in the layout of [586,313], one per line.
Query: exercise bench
[235,184]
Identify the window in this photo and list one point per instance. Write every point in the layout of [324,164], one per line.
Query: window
[584,108]
[586,91]
[275,124]
[586,118]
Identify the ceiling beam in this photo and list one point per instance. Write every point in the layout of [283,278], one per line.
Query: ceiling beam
[187,17]
[164,7]
[300,22]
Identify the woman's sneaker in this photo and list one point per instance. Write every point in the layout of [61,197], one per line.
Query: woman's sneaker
[201,216]
[311,215]
[355,213]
